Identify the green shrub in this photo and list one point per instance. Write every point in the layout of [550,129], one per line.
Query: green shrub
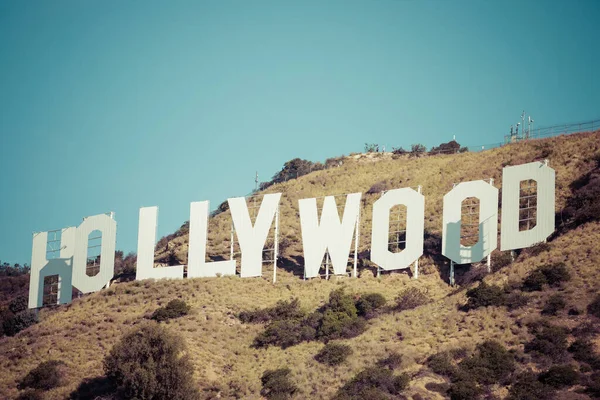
[554,304]
[174,309]
[333,354]
[465,390]
[416,150]
[485,295]
[501,259]
[336,325]
[373,383]
[18,304]
[552,274]
[549,340]
[491,363]
[441,364]
[593,385]
[528,387]
[410,298]
[534,281]
[31,394]
[282,310]
[276,384]
[392,361]
[583,350]
[369,303]
[150,363]
[560,376]
[15,323]
[594,307]
[515,300]
[289,326]
[284,333]
[47,375]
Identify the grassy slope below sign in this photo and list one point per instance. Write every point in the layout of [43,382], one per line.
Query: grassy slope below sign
[220,346]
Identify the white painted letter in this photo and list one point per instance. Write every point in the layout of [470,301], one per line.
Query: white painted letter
[108,227]
[328,234]
[488,222]
[252,238]
[146,243]
[544,176]
[415,219]
[42,267]
[197,265]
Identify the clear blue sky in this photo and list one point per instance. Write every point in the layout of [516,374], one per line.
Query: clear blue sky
[114,105]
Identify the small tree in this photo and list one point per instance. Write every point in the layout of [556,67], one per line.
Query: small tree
[174,309]
[333,354]
[150,363]
[416,150]
[276,384]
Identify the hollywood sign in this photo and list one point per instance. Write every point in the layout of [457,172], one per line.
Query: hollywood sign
[326,233]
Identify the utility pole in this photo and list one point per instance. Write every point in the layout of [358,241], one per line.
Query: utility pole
[256,182]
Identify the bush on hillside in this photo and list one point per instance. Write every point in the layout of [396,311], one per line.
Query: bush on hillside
[47,375]
[18,304]
[583,350]
[368,304]
[371,148]
[294,169]
[11,324]
[441,363]
[549,340]
[500,259]
[31,394]
[515,300]
[528,387]
[285,333]
[410,298]
[450,147]
[174,309]
[338,318]
[594,307]
[373,383]
[399,151]
[150,363]
[377,188]
[277,385]
[555,303]
[560,376]
[417,150]
[464,389]
[584,204]
[333,354]
[552,275]
[485,295]
[282,310]
[491,363]
[392,361]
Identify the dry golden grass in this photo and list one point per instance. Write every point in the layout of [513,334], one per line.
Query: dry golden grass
[82,333]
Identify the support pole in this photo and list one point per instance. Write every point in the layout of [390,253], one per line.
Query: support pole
[489,256]
[327,265]
[231,249]
[451,273]
[276,246]
[356,244]
[416,273]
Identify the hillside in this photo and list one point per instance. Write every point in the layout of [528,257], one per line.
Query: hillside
[220,345]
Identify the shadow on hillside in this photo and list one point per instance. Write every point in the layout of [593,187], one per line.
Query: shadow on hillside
[92,388]
[292,264]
